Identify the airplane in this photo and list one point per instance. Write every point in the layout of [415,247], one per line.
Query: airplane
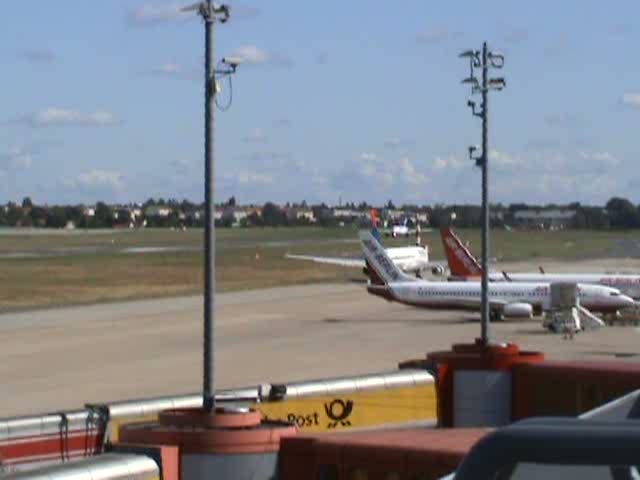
[463,265]
[400,230]
[410,259]
[512,300]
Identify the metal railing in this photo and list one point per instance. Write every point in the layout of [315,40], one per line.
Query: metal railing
[108,466]
[560,442]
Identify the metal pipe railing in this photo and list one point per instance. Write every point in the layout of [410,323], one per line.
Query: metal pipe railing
[109,466]
[92,415]
[553,441]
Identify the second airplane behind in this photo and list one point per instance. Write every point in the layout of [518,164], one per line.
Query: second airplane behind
[515,300]
[464,266]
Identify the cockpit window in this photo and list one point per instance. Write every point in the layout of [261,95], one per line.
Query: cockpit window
[614,294]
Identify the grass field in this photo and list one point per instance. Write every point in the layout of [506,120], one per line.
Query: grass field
[90,266]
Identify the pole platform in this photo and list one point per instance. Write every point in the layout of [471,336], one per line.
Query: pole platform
[481,393]
[203,432]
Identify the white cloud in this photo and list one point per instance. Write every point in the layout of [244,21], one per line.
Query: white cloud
[451,162]
[243,11]
[55,116]
[632,99]
[556,176]
[392,142]
[98,179]
[17,157]
[409,174]
[562,120]
[368,175]
[367,156]
[256,135]
[150,14]
[501,159]
[167,69]
[254,55]
[157,13]
[396,143]
[376,175]
[249,177]
[182,165]
[604,158]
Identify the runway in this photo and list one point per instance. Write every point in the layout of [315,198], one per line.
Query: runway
[63,358]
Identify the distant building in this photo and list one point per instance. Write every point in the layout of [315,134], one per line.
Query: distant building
[348,213]
[158,211]
[552,219]
[136,212]
[393,215]
[422,218]
[126,217]
[254,211]
[233,214]
[301,213]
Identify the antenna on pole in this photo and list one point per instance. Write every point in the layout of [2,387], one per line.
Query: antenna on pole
[483,60]
[211,13]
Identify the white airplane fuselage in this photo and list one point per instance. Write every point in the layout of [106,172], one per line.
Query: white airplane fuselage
[399,230]
[627,284]
[467,295]
[464,266]
[410,259]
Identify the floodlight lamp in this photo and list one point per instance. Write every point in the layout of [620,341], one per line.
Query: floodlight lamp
[191,8]
[497,83]
[496,59]
[224,10]
[233,62]
[473,81]
[468,54]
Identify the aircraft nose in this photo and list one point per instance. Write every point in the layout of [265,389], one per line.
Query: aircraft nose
[627,301]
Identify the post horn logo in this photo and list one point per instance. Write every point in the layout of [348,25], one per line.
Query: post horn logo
[338,411]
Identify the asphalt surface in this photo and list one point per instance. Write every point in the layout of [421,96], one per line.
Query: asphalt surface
[221,245]
[64,358]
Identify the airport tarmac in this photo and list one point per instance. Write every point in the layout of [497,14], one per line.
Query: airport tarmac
[62,358]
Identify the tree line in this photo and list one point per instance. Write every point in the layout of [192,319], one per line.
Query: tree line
[618,213]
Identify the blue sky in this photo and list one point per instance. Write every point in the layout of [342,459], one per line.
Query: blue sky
[356,100]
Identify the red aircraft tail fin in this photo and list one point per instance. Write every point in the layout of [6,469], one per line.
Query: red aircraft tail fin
[461,261]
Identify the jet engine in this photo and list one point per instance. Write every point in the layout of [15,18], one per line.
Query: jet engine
[438,270]
[518,310]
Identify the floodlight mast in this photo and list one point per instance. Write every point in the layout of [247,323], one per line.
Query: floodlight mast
[484,60]
[210,13]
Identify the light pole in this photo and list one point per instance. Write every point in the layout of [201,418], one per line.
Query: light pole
[210,13]
[483,60]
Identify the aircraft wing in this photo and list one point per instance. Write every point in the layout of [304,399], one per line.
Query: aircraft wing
[341,261]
